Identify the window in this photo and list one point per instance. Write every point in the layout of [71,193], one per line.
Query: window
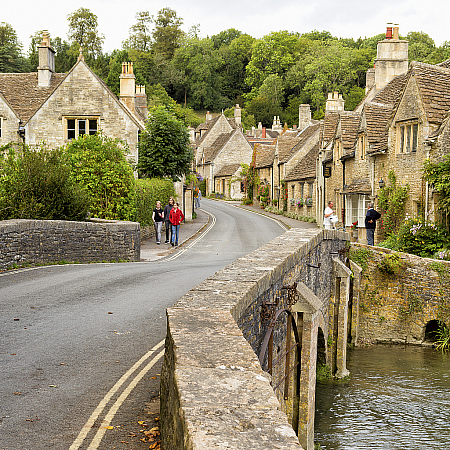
[310,190]
[302,190]
[408,134]
[1,126]
[356,209]
[79,127]
[362,146]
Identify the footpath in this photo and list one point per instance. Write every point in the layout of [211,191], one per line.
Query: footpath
[151,251]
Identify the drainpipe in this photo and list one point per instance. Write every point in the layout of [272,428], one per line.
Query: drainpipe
[426,193]
[343,199]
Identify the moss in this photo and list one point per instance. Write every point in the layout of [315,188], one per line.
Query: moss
[360,256]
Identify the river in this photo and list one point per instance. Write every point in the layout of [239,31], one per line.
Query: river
[397,398]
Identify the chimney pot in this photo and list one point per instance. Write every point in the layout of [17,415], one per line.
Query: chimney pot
[388,32]
[396,33]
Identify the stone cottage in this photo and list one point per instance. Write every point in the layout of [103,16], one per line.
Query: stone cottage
[57,107]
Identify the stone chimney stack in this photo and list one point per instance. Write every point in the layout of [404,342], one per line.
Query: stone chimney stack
[237,115]
[370,79]
[304,116]
[127,86]
[141,101]
[46,61]
[392,58]
[209,116]
[335,102]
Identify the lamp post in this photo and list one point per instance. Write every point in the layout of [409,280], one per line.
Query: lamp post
[381,183]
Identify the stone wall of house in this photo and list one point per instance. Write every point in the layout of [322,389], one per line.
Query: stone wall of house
[214,392]
[9,124]
[81,95]
[396,308]
[236,150]
[27,241]
[295,192]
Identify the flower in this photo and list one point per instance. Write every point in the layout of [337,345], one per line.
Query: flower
[354,225]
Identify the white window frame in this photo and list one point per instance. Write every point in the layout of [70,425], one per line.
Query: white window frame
[356,209]
[76,129]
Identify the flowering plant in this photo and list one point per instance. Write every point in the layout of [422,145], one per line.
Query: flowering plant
[300,202]
[199,177]
[308,201]
[292,201]
[354,225]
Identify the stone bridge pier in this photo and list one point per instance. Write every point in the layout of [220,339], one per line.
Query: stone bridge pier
[239,370]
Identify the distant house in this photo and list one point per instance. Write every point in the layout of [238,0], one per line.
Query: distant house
[58,107]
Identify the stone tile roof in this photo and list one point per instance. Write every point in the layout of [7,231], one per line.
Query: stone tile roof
[228,171]
[22,93]
[297,139]
[265,154]
[390,93]
[330,123]
[306,168]
[358,187]
[445,63]
[285,145]
[349,124]
[212,151]
[207,126]
[272,134]
[377,117]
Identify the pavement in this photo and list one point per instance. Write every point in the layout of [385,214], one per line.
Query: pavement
[151,251]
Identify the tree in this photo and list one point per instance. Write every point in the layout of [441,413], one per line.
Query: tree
[11,59]
[263,110]
[438,175]
[140,34]
[225,37]
[99,166]
[35,183]
[164,147]
[167,33]
[83,29]
[273,90]
[420,46]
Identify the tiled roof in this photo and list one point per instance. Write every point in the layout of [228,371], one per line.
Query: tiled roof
[272,134]
[264,155]
[228,171]
[298,140]
[212,151]
[22,93]
[445,63]
[330,122]
[377,117]
[358,187]
[206,126]
[285,144]
[390,93]
[349,124]
[306,168]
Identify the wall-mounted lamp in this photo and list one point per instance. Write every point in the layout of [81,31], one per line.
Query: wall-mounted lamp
[21,131]
[381,183]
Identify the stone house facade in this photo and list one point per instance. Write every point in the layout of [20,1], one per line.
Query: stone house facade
[54,108]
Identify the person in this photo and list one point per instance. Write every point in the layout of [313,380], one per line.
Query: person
[167,223]
[196,190]
[176,217]
[158,219]
[198,198]
[329,211]
[371,218]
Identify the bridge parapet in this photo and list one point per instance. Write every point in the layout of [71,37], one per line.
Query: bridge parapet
[214,391]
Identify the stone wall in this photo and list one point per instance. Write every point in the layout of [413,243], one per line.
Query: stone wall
[214,393]
[28,241]
[396,308]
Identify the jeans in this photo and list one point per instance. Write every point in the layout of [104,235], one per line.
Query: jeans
[370,232]
[197,202]
[175,230]
[158,227]
[168,226]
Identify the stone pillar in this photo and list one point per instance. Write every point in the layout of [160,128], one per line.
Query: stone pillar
[127,86]
[356,281]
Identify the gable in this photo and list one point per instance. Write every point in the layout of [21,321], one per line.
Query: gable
[409,107]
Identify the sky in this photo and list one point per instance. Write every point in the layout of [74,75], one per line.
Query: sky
[342,18]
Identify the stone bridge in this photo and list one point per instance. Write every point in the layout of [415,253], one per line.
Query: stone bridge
[241,349]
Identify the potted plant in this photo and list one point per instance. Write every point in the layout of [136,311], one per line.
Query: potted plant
[354,231]
[308,201]
[300,202]
[292,201]
[275,202]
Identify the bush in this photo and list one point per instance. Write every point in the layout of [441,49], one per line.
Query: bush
[36,184]
[148,191]
[99,165]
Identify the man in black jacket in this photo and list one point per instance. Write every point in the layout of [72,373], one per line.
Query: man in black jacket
[371,217]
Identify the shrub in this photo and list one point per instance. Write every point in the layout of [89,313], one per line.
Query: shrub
[390,264]
[36,184]
[99,165]
[148,191]
[443,338]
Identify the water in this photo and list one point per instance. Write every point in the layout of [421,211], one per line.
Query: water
[398,398]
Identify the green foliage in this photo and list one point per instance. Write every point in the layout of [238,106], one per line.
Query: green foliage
[353,97]
[390,264]
[443,338]
[414,306]
[140,34]
[36,184]
[360,256]
[263,110]
[438,175]
[272,89]
[11,59]
[392,201]
[164,147]
[323,372]
[167,33]
[247,120]
[148,192]
[99,165]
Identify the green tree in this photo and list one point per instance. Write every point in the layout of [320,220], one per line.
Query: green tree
[247,120]
[100,167]
[224,38]
[140,33]
[263,110]
[438,175]
[167,33]
[11,59]
[272,89]
[35,183]
[164,147]
[420,46]
[83,30]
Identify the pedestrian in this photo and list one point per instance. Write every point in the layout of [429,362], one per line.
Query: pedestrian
[176,217]
[371,218]
[158,219]
[329,211]
[197,198]
[167,224]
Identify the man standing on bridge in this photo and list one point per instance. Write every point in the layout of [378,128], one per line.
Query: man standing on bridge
[371,217]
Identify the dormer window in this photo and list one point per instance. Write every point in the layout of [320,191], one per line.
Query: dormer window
[407,137]
[79,126]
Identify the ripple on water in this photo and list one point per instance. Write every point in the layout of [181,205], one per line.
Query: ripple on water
[398,398]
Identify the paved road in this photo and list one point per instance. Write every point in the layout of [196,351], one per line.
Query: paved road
[81,345]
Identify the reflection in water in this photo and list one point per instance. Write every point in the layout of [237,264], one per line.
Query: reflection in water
[398,398]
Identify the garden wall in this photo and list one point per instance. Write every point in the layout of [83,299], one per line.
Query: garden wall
[27,241]
[396,307]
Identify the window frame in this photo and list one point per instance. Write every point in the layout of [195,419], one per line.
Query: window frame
[74,131]
[407,137]
[356,209]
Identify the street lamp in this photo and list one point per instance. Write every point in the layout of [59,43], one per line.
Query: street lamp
[381,183]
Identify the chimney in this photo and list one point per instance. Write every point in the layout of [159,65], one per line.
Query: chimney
[389,31]
[208,116]
[46,61]
[304,116]
[127,86]
[141,101]
[370,79]
[335,102]
[392,59]
[263,134]
[237,114]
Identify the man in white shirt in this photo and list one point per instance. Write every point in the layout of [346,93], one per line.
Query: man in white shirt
[329,211]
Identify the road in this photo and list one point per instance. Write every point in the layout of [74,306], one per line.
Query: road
[81,345]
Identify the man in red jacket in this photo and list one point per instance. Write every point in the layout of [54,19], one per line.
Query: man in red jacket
[176,217]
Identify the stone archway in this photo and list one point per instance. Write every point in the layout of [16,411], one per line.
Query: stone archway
[431,328]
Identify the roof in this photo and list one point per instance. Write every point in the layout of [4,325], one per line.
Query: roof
[445,63]
[349,124]
[22,93]
[264,155]
[296,141]
[358,187]
[207,126]
[306,168]
[213,150]
[228,171]
[377,117]
[330,123]
[390,93]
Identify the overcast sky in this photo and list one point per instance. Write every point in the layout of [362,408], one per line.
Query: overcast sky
[342,18]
